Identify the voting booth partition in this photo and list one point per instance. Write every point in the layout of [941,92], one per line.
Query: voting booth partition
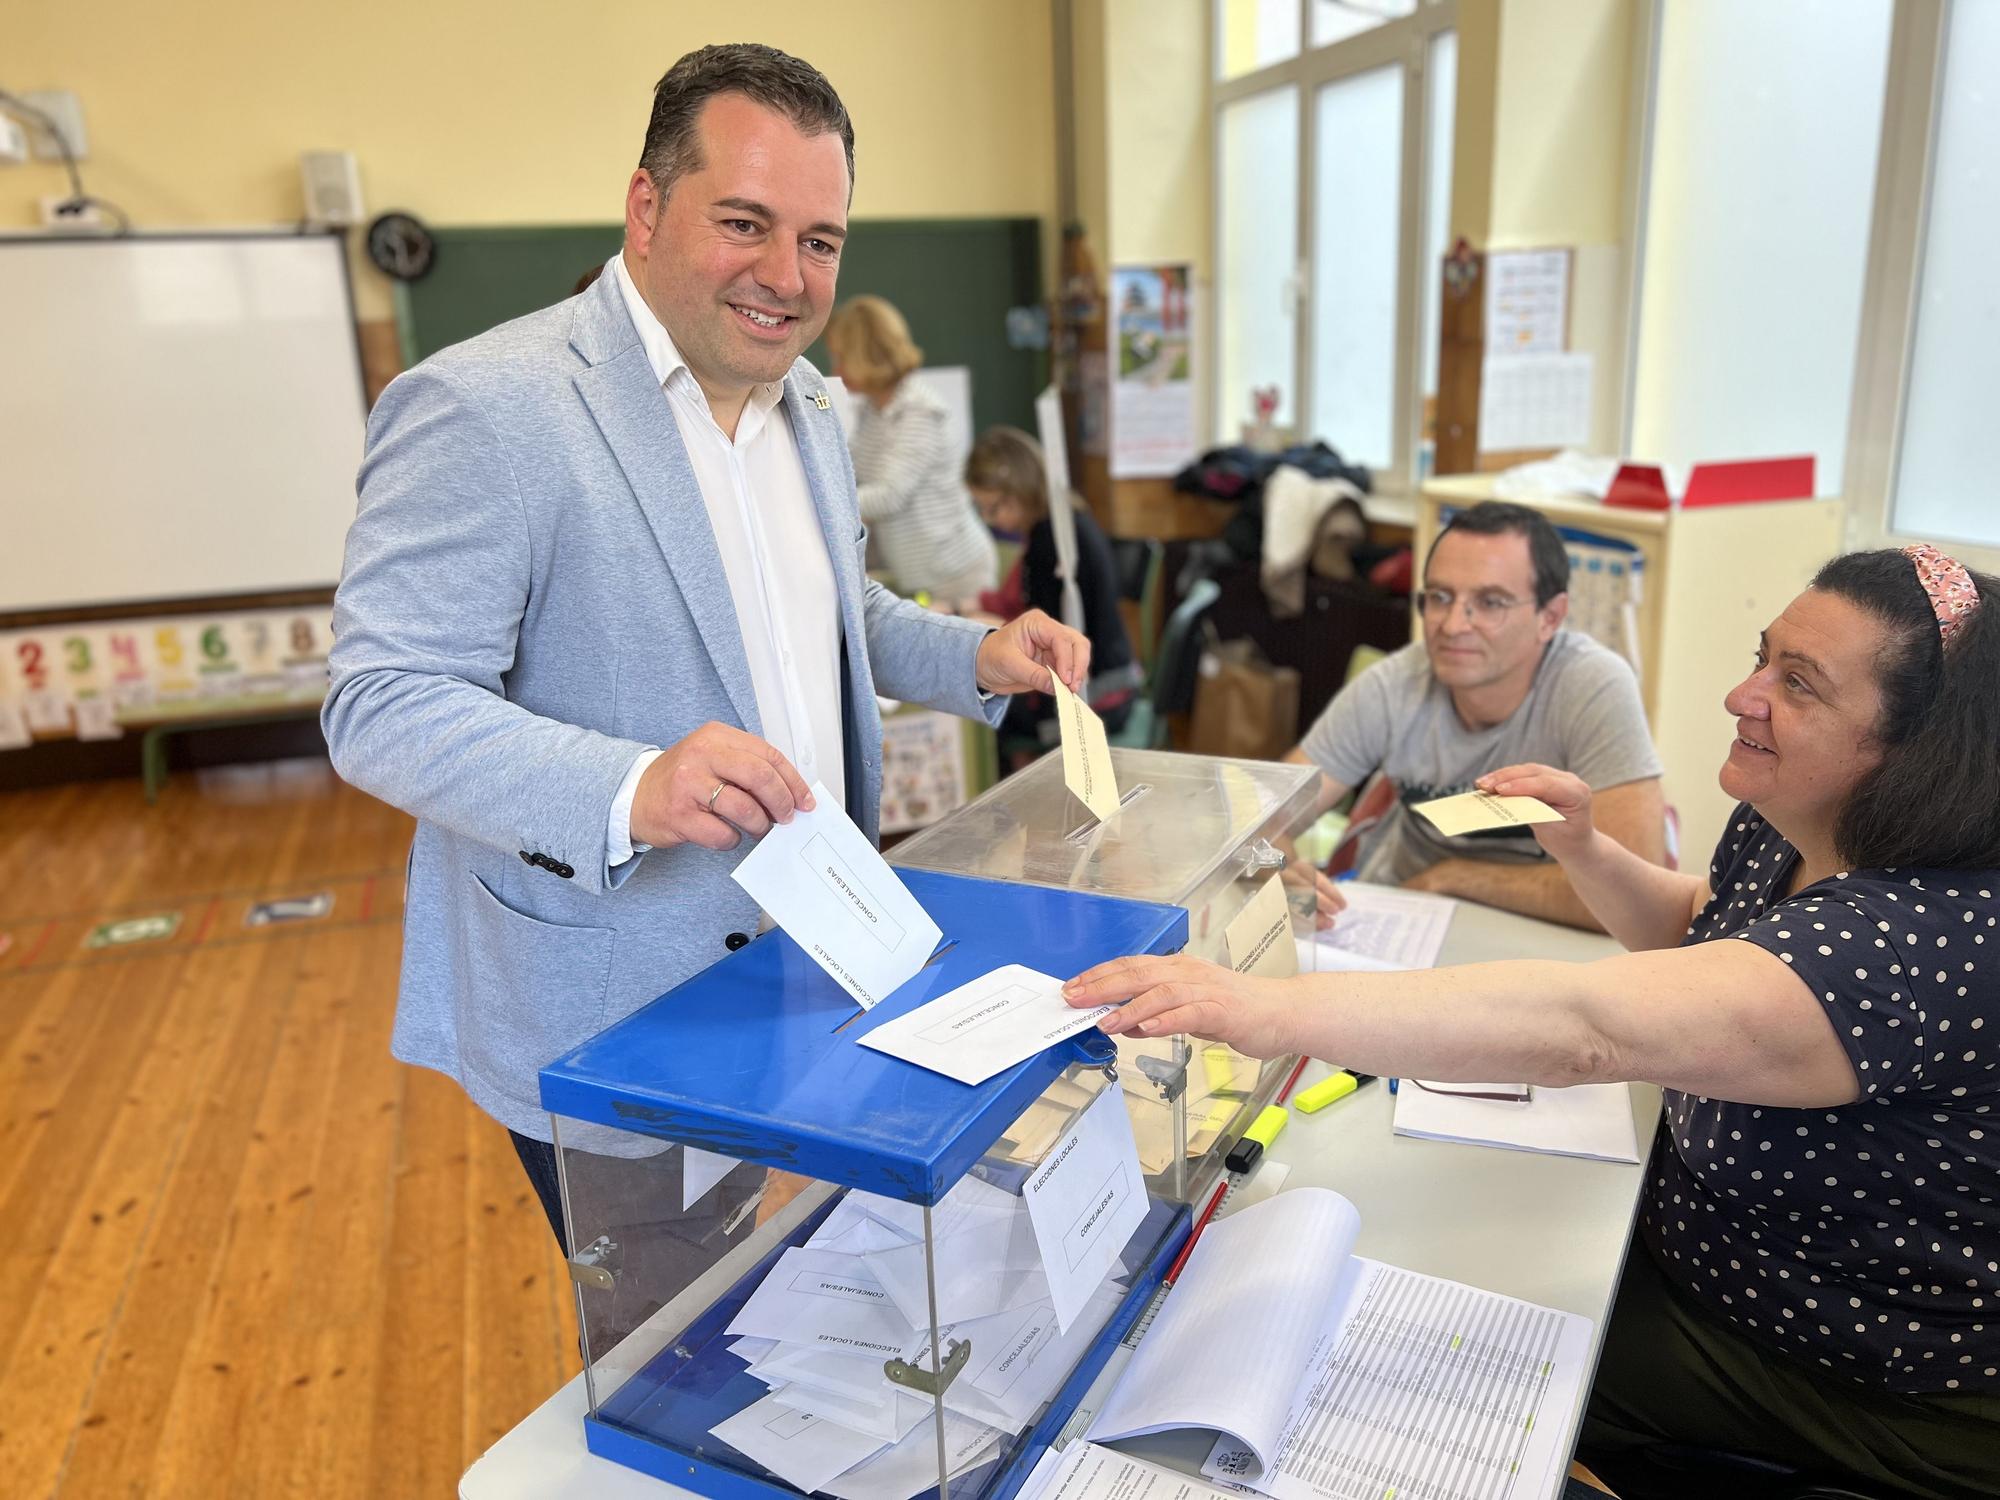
[804,1265]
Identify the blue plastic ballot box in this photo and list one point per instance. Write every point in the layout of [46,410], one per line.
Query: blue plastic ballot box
[768,1221]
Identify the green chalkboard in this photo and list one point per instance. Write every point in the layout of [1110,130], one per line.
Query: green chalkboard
[954,279]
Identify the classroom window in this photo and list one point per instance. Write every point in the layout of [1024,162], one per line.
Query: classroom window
[1337,20]
[1253,34]
[1357,216]
[1944,474]
[1766,127]
[1340,156]
[1259,208]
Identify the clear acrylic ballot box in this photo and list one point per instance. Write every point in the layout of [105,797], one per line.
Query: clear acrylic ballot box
[804,1266]
[1200,832]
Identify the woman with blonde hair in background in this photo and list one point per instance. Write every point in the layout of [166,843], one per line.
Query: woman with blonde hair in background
[905,472]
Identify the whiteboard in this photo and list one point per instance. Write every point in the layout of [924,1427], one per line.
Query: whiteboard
[180,417]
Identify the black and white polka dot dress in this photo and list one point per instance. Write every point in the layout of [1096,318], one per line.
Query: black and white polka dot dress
[1864,1238]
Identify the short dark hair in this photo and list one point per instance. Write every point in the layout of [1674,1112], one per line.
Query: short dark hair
[777,80]
[1933,800]
[1501,517]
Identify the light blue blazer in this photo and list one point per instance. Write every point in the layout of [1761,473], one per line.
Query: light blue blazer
[532,596]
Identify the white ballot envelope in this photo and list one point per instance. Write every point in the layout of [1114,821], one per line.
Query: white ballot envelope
[986,1026]
[820,879]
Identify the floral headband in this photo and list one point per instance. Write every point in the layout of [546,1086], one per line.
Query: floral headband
[1949,587]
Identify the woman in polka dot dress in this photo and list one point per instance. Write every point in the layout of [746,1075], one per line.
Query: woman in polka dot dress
[1818,1278]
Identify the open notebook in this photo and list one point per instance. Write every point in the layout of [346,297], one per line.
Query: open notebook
[1319,1368]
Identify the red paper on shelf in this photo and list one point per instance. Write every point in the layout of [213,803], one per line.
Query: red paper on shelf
[1638,487]
[1750,480]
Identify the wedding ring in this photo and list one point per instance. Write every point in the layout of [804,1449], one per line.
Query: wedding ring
[716,793]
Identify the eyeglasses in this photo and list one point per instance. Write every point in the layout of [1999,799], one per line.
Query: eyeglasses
[1503,1093]
[1481,609]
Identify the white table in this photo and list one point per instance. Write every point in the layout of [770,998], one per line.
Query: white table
[1547,1229]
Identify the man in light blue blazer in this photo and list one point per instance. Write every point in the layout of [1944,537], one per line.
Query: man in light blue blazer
[603,611]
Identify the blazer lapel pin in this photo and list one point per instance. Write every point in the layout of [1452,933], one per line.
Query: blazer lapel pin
[821,401]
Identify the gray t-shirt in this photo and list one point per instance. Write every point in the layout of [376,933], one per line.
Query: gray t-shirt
[1582,714]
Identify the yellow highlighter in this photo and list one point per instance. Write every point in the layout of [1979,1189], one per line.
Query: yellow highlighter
[1329,1090]
[1247,1152]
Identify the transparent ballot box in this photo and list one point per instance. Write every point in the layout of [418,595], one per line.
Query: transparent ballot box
[1200,832]
[804,1266]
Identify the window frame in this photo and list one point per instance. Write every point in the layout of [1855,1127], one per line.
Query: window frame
[1918,39]
[1403,42]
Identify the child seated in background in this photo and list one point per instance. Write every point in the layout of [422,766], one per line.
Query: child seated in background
[1009,484]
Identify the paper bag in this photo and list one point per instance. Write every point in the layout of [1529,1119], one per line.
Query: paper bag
[1244,706]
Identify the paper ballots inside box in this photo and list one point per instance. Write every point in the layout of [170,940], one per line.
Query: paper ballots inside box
[887,1415]
[1474,812]
[820,879]
[1085,1201]
[1086,753]
[986,1026]
[911,1466]
[808,1453]
[819,1297]
[987,1266]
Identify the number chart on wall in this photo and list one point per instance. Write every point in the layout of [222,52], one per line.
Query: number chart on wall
[93,680]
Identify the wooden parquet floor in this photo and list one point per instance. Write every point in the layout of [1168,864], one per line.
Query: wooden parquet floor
[243,1251]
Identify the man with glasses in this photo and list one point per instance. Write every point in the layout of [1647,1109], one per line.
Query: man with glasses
[1495,681]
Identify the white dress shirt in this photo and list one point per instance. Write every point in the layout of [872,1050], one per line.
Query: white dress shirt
[774,555]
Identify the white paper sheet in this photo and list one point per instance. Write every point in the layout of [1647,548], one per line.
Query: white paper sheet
[1592,1120]
[812,1367]
[816,1297]
[851,1230]
[1089,1472]
[986,1026]
[700,1172]
[910,1467]
[969,1197]
[1324,958]
[1422,1386]
[1394,928]
[805,1452]
[820,879]
[987,1267]
[887,1419]
[1020,1359]
[1085,1201]
[1259,1329]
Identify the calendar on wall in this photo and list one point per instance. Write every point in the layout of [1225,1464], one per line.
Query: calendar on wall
[92,680]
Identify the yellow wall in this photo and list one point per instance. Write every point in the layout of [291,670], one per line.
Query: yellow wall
[1156,82]
[1560,116]
[511,111]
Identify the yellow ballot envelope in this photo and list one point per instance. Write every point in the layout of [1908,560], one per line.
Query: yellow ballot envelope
[1086,753]
[1474,812]
[1260,937]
